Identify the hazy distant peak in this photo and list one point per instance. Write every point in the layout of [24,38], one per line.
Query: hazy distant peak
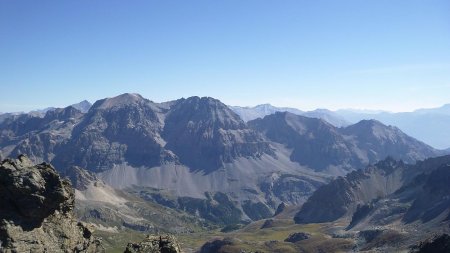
[374,128]
[290,115]
[445,109]
[82,106]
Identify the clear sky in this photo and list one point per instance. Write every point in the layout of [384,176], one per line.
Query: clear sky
[374,54]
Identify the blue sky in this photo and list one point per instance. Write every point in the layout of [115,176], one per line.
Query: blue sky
[383,54]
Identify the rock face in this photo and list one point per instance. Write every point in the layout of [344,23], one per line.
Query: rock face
[155,244]
[36,211]
[205,134]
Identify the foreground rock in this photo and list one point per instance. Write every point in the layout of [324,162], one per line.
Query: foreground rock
[155,244]
[36,211]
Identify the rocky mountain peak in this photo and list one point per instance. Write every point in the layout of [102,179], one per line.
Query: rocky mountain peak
[372,128]
[204,133]
[118,101]
[83,106]
[36,211]
[206,111]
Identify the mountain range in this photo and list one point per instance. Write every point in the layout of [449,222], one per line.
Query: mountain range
[197,150]
[193,164]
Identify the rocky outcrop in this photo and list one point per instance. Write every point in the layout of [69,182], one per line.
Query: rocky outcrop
[281,207]
[36,211]
[155,244]
[268,224]
[296,237]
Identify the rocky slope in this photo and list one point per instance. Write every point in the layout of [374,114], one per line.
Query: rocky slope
[389,196]
[342,196]
[36,211]
[321,146]
[117,211]
[423,200]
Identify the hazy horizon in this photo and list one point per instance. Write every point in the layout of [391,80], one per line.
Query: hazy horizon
[243,106]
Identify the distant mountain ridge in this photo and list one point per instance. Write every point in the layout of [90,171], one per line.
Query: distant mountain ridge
[428,125]
[260,111]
